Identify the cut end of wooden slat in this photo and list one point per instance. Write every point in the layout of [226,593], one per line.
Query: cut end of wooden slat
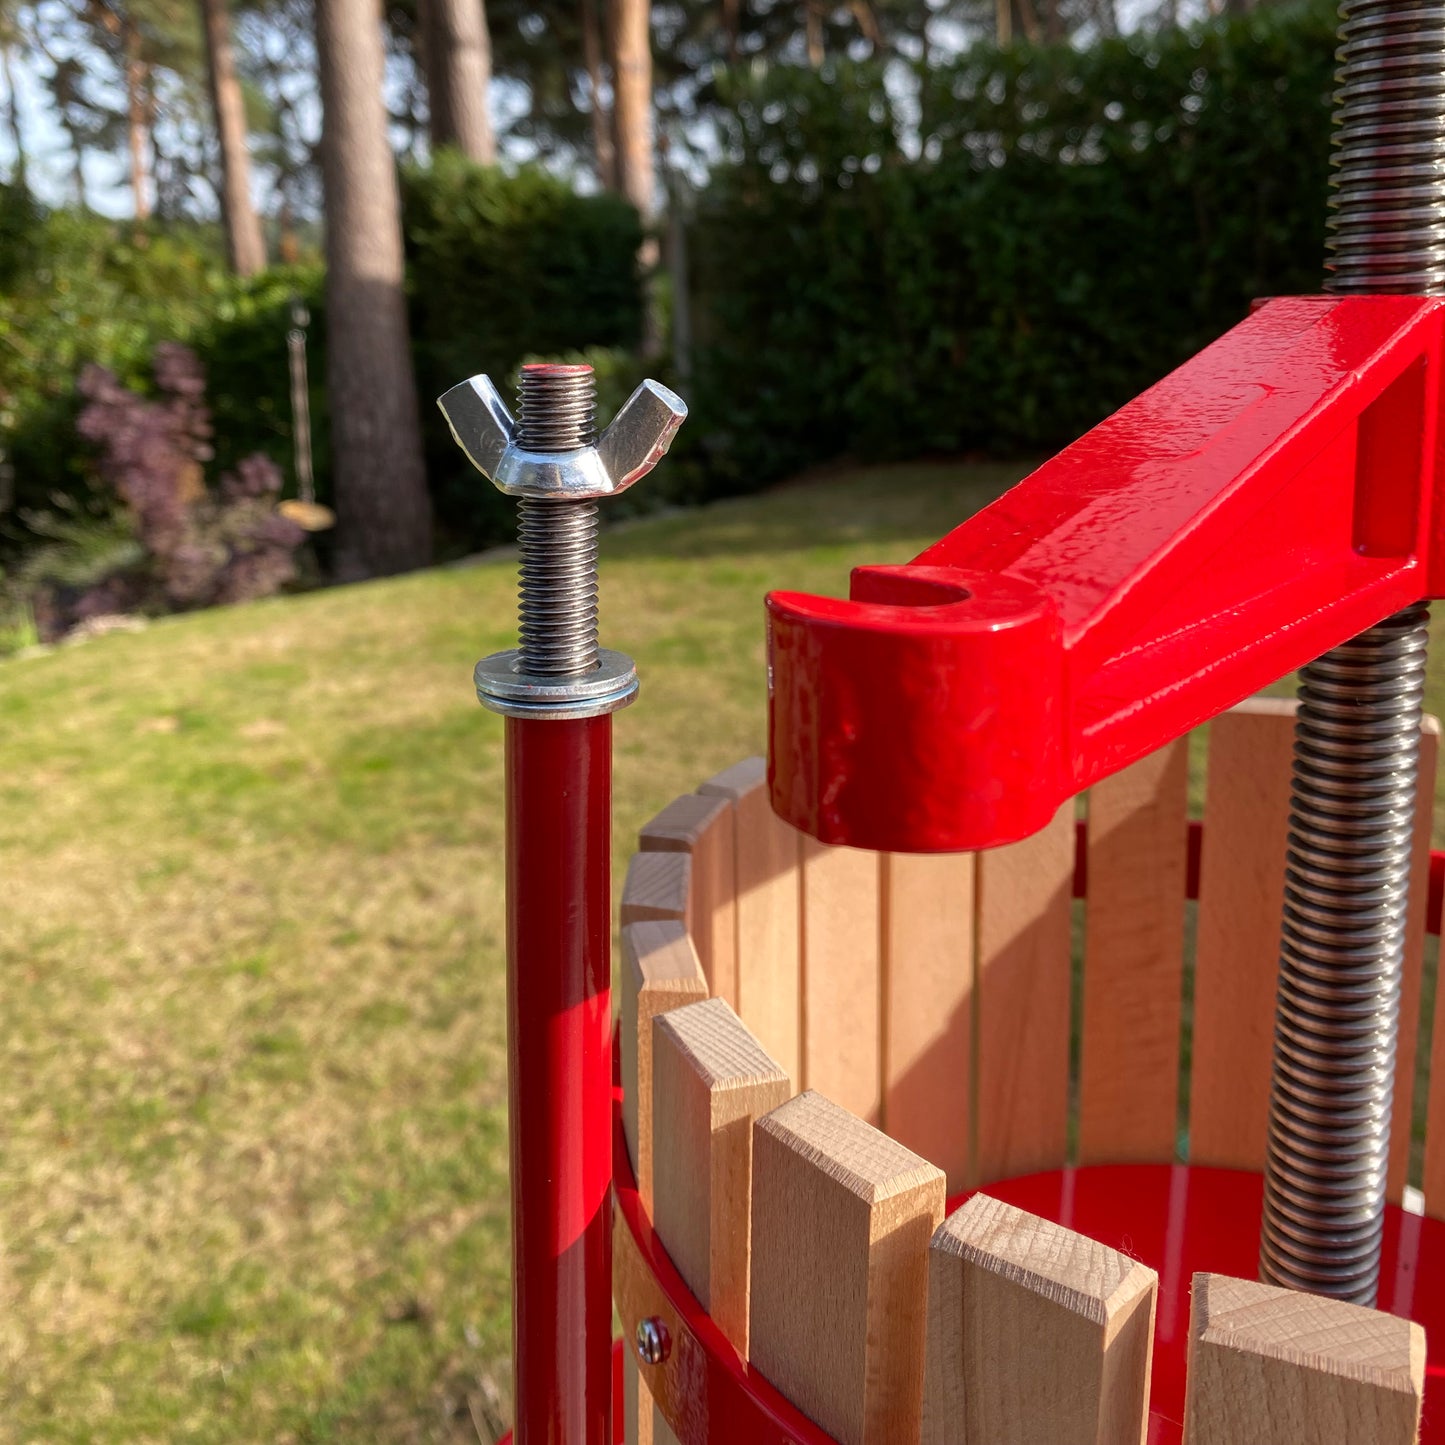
[680,826]
[656,887]
[1310,1331]
[841,1220]
[1035,1333]
[737,781]
[719,1049]
[1276,1367]
[711,1080]
[660,971]
[861,1159]
[1083,1276]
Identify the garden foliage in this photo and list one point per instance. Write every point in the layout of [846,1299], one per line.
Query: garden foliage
[999,259]
[984,255]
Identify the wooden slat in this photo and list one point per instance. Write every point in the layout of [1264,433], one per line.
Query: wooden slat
[927,1006]
[842,1216]
[842,977]
[1035,1334]
[703,828]
[656,887]
[660,971]
[1407,1046]
[1270,1366]
[1134,961]
[1241,901]
[1022,999]
[643,1422]
[767,854]
[710,1080]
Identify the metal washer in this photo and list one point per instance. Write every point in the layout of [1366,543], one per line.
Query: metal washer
[503,688]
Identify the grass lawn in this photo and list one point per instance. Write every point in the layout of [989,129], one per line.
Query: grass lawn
[253,1179]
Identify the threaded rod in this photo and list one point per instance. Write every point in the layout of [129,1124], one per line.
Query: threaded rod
[557,611]
[1353,794]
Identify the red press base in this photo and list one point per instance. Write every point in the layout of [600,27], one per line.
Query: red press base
[1181,1221]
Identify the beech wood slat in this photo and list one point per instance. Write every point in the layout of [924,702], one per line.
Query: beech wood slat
[660,971]
[928,921]
[1021,996]
[656,887]
[1241,902]
[710,1080]
[842,1216]
[766,856]
[1036,1335]
[842,977]
[703,828]
[1271,1366]
[1134,961]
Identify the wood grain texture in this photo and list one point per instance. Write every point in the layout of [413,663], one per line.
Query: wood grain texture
[1270,1366]
[1022,999]
[656,887]
[660,971]
[703,828]
[1413,969]
[1035,1334]
[767,854]
[842,1216]
[710,1080]
[1241,902]
[1134,961]
[927,924]
[643,1422]
[842,977]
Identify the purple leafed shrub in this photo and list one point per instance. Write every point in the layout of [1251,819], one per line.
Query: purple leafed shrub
[204,546]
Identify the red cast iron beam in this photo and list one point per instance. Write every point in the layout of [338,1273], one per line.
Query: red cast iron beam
[1269,499]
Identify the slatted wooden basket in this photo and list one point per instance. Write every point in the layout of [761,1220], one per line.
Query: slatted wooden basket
[825,1053]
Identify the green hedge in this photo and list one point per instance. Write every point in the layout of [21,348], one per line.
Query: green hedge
[1074,224]
[501,267]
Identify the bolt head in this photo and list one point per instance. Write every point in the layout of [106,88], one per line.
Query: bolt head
[654,1344]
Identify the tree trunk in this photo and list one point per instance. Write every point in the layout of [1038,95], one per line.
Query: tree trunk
[244,243]
[632,102]
[458,50]
[383,511]
[12,118]
[601,117]
[135,94]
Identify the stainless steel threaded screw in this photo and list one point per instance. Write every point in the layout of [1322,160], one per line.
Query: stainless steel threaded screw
[557,466]
[557,616]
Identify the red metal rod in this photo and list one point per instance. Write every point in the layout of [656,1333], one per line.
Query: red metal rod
[559,1018]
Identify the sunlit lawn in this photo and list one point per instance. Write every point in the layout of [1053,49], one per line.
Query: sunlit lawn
[252,1185]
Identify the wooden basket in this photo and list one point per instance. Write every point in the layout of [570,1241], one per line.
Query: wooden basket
[824,1050]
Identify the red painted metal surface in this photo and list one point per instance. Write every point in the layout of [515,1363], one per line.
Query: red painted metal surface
[559,1018]
[1266,501]
[1180,1221]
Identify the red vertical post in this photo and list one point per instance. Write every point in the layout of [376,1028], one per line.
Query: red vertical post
[559,1021]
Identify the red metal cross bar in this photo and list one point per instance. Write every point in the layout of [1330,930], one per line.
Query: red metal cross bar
[1269,499]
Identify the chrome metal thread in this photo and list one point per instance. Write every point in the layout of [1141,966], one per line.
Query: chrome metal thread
[557,537]
[557,408]
[558,604]
[1353,795]
[1352,821]
[1387,231]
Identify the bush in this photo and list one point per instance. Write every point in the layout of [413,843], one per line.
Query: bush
[1074,224]
[177,543]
